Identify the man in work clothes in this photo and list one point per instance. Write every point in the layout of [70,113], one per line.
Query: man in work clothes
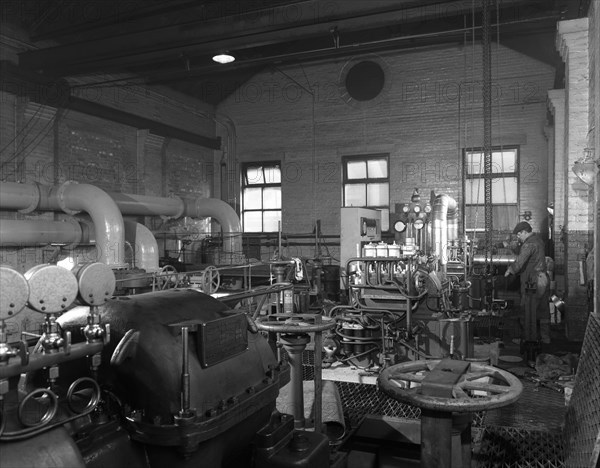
[531,264]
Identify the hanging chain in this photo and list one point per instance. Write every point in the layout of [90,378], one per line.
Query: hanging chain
[487,127]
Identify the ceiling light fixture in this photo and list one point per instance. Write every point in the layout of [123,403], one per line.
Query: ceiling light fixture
[223,57]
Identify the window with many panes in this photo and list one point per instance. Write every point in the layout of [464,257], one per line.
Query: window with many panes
[367,184]
[261,196]
[505,188]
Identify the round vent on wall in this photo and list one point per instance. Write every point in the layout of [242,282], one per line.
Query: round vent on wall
[365,80]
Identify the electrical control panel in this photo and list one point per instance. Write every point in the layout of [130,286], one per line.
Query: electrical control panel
[358,226]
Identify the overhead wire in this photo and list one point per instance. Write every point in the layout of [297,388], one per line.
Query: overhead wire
[22,130]
[36,140]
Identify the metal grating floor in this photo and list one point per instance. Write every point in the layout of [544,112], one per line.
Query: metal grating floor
[582,421]
[510,447]
[537,431]
[525,413]
[358,400]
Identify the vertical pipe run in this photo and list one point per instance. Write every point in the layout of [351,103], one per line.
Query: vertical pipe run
[295,345]
[185,373]
[436,439]
[318,403]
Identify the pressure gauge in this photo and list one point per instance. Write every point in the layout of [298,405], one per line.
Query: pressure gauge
[96,283]
[399,226]
[417,208]
[418,224]
[51,288]
[14,292]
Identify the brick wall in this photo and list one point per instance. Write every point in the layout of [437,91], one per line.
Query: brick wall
[42,144]
[416,120]
[573,41]
[49,146]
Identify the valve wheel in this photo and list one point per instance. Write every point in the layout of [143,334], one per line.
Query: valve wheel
[295,323]
[468,395]
[166,280]
[210,280]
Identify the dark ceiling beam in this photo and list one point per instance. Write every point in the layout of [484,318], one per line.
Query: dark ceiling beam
[536,25]
[57,93]
[102,20]
[232,33]
[48,10]
[131,17]
[136,121]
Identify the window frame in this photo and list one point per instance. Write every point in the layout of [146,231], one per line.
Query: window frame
[495,175]
[244,185]
[367,181]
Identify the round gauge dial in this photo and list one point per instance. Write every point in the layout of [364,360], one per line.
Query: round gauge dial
[399,226]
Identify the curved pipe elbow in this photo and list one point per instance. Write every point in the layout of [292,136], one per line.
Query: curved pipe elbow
[224,214]
[145,247]
[108,222]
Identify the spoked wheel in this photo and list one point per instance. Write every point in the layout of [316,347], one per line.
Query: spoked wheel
[167,277]
[471,393]
[446,391]
[210,280]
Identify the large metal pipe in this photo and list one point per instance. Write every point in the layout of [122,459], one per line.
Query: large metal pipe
[72,198]
[496,259]
[144,245]
[143,205]
[28,233]
[31,233]
[444,225]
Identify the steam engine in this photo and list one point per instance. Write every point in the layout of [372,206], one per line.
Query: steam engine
[163,378]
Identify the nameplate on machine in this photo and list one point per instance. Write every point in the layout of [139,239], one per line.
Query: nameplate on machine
[222,338]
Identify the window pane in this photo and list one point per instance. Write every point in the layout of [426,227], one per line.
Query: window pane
[504,161]
[271,220]
[474,191]
[254,175]
[378,194]
[355,195]
[272,197]
[356,169]
[252,221]
[252,199]
[474,163]
[272,175]
[377,168]
[504,217]
[504,190]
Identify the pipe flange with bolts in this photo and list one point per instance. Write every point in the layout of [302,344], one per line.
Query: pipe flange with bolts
[35,201]
[61,197]
[181,211]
